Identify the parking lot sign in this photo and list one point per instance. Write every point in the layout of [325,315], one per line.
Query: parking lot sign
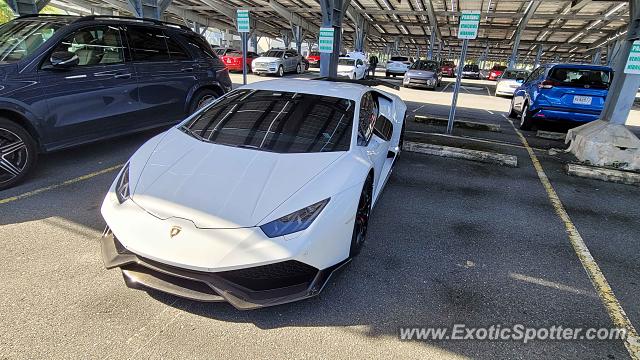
[243,21]
[633,62]
[325,42]
[469,24]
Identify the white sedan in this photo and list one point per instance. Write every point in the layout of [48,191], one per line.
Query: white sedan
[510,80]
[354,69]
[258,197]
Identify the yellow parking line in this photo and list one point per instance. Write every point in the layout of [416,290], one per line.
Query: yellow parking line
[55,186]
[599,282]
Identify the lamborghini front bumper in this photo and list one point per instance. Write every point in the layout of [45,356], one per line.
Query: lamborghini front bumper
[245,289]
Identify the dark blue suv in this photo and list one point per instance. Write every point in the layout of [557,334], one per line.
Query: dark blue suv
[562,92]
[68,80]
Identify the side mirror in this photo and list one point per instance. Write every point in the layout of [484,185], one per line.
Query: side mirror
[286,56]
[64,60]
[520,80]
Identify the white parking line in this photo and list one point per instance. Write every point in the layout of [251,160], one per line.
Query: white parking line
[445,88]
[488,91]
[420,107]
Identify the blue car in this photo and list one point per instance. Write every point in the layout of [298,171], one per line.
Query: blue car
[562,92]
[70,80]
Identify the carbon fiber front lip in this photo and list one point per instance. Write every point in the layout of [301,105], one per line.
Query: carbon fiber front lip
[139,273]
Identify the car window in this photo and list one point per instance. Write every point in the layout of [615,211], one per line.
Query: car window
[94,45]
[148,44]
[347,62]
[176,51]
[19,39]
[448,63]
[535,74]
[399,58]
[359,62]
[367,117]
[201,46]
[515,74]
[274,53]
[579,77]
[425,65]
[276,121]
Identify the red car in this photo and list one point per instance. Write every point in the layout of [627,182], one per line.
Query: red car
[233,60]
[314,59]
[448,69]
[496,72]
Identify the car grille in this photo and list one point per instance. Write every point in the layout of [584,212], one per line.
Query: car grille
[272,276]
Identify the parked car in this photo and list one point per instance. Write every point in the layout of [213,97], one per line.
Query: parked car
[471,71]
[222,51]
[354,69]
[495,72]
[254,207]
[562,92]
[423,73]
[510,80]
[278,62]
[314,58]
[305,62]
[448,68]
[233,60]
[398,65]
[69,80]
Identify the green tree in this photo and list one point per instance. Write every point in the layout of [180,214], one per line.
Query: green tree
[5,12]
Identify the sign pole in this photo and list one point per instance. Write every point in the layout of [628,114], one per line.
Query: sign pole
[468,29]
[242,19]
[456,88]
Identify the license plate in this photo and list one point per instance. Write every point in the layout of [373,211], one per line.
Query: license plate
[582,100]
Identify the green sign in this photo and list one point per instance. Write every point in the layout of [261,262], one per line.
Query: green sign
[325,42]
[243,21]
[469,24]
[633,62]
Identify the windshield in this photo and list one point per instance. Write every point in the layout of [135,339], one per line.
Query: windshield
[314,53]
[19,39]
[425,65]
[274,53]
[276,121]
[587,78]
[399,58]
[470,68]
[448,63]
[515,74]
[498,68]
[348,62]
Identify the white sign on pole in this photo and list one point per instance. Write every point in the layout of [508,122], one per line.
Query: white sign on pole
[633,62]
[469,24]
[325,41]
[242,19]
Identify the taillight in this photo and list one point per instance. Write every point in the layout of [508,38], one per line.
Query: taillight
[548,84]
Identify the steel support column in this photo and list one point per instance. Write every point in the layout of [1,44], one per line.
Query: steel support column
[432,41]
[536,62]
[624,87]
[531,9]
[332,16]
[26,7]
[596,58]
[286,38]
[362,28]
[296,30]
[151,9]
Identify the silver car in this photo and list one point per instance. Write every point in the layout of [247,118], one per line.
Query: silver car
[278,62]
[423,73]
[510,80]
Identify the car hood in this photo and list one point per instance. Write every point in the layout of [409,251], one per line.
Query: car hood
[220,187]
[266,59]
[420,73]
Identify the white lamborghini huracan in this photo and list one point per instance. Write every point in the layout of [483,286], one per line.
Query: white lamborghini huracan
[259,196]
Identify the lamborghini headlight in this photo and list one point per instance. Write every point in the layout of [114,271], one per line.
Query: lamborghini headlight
[294,222]
[122,185]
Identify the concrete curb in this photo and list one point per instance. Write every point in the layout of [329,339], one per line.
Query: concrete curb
[551,135]
[457,123]
[458,153]
[604,174]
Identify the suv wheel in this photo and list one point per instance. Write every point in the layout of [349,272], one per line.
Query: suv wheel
[201,99]
[525,118]
[298,69]
[280,71]
[512,112]
[18,153]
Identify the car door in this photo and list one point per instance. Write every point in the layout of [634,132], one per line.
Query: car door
[374,148]
[520,95]
[95,98]
[360,69]
[290,60]
[165,72]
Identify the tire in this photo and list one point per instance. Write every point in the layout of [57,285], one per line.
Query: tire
[18,153]
[386,74]
[202,98]
[512,112]
[401,142]
[280,71]
[525,118]
[361,222]
[298,69]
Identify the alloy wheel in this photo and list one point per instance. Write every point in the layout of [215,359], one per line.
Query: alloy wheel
[14,155]
[523,116]
[362,217]
[204,101]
